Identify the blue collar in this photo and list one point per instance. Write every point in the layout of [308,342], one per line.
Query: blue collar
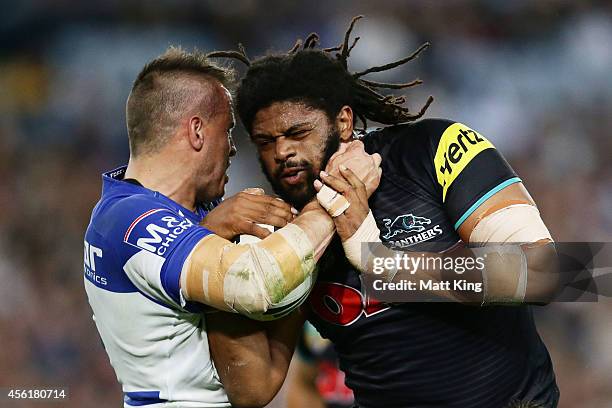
[112,183]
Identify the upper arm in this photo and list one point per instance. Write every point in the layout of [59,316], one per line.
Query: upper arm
[474,184]
[251,357]
[152,243]
[239,348]
[469,171]
[472,179]
[513,194]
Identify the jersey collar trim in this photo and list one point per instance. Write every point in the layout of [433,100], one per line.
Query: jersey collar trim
[112,182]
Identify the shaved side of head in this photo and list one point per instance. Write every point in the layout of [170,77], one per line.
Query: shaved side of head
[170,88]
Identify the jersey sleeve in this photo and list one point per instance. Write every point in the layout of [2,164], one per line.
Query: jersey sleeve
[456,166]
[152,242]
[468,170]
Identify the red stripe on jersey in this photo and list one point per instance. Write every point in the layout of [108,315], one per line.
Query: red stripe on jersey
[137,220]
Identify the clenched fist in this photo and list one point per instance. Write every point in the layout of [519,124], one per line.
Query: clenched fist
[365,166]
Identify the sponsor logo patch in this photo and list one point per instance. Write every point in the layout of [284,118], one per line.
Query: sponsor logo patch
[457,148]
[156,230]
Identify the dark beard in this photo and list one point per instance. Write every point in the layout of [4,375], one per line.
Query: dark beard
[302,194]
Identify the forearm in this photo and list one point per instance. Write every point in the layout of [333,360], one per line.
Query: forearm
[318,226]
[423,274]
[491,274]
[249,278]
[252,358]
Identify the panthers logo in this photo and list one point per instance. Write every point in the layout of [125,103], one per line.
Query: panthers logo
[405,224]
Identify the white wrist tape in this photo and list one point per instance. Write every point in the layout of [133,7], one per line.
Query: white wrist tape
[333,202]
[353,249]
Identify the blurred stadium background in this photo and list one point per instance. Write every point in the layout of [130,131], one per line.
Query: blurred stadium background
[533,76]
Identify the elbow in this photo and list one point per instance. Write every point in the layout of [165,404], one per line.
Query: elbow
[255,396]
[544,278]
[250,402]
[253,390]
[544,293]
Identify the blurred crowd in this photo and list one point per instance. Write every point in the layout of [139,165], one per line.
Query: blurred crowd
[533,76]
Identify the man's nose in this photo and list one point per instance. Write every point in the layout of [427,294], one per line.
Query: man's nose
[285,149]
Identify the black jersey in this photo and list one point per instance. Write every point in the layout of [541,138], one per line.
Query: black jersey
[417,355]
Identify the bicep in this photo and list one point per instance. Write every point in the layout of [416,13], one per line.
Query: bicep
[513,194]
[251,357]
[512,216]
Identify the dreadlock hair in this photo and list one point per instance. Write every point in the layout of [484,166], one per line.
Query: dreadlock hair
[320,78]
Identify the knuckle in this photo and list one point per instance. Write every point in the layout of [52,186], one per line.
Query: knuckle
[282,205]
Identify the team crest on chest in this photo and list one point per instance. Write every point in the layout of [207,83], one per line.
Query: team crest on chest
[409,229]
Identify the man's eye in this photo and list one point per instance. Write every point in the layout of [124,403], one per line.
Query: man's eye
[263,142]
[299,133]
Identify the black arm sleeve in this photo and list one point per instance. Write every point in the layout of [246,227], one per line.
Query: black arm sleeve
[455,165]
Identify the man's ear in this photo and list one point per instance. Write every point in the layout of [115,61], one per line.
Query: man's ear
[196,133]
[344,123]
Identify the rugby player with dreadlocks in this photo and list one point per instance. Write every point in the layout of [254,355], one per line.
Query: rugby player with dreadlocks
[442,183]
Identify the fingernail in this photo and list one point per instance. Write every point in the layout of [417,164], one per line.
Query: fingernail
[318,184]
[293,210]
[323,174]
[342,167]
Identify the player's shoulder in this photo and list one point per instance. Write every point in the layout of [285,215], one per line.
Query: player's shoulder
[408,148]
[125,205]
[415,136]
[119,211]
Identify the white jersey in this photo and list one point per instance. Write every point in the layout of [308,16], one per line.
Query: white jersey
[135,247]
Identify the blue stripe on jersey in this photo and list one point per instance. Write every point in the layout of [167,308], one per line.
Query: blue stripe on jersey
[484,198]
[140,398]
[171,270]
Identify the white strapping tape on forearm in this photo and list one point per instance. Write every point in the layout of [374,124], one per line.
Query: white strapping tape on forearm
[248,278]
[277,264]
[245,287]
[518,223]
[333,202]
[353,247]
[303,250]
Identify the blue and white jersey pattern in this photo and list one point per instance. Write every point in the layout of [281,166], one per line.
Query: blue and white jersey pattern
[135,246]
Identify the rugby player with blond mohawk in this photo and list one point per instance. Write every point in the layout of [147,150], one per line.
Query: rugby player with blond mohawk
[159,250]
